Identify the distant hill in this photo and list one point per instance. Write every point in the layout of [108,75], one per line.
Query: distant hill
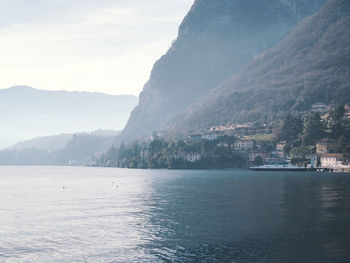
[64,149]
[311,65]
[215,40]
[27,113]
[46,143]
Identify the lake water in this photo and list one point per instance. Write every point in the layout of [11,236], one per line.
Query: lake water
[68,214]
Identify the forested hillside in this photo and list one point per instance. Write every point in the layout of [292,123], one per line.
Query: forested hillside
[311,65]
[215,40]
[64,149]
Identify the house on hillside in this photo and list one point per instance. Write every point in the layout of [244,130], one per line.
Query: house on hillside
[244,145]
[195,137]
[280,147]
[243,131]
[189,157]
[263,130]
[326,146]
[319,107]
[347,113]
[193,157]
[210,137]
[223,145]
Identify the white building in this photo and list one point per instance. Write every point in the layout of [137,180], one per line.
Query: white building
[280,149]
[319,107]
[193,157]
[244,145]
[189,157]
[210,137]
[331,160]
[281,146]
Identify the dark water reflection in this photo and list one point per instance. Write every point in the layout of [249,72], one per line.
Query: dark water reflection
[245,217]
[115,215]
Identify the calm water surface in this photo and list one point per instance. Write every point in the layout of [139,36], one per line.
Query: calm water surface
[65,214]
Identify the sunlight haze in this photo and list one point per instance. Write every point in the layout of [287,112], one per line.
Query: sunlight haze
[85,45]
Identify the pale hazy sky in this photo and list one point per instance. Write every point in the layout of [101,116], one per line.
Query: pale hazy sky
[88,45]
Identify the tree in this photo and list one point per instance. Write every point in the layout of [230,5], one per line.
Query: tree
[314,129]
[337,128]
[338,113]
[156,145]
[291,128]
[346,151]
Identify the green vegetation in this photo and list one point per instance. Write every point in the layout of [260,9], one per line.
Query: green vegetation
[194,67]
[314,129]
[291,128]
[260,137]
[162,154]
[302,135]
[302,151]
[307,67]
[258,161]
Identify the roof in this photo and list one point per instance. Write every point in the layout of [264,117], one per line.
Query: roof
[332,155]
[326,140]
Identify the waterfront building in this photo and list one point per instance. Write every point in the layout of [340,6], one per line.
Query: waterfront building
[331,160]
[254,155]
[280,149]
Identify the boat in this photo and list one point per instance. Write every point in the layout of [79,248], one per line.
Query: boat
[278,166]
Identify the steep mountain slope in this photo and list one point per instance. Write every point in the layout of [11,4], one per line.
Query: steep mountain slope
[215,39]
[311,65]
[26,113]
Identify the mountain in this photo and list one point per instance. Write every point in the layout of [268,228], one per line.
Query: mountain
[311,65]
[27,113]
[63,149]
[46,143]
[215,40]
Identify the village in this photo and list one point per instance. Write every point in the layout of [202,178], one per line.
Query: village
[259,145]
[316,140]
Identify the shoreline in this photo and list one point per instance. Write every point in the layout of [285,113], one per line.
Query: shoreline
[314,170]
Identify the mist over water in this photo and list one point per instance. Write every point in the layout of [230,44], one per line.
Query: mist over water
[66,214]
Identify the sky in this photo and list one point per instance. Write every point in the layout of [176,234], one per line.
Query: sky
[104,46]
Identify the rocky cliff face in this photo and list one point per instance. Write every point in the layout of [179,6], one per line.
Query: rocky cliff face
[311,65]
[215,39]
